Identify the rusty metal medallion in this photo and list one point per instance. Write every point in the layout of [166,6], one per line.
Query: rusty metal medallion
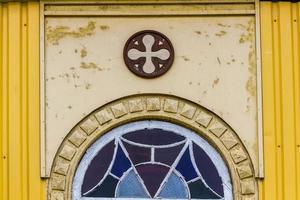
[148,54]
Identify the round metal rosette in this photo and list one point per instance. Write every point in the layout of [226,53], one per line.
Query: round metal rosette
[148,54]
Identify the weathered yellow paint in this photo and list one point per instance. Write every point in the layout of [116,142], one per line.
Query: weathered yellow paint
[280,32]
[19,102]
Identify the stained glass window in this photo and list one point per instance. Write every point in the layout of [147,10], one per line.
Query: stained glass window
[151,160]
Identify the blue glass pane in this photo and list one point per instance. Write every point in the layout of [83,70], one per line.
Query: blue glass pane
[174,188]
[106,189]
[131,187]
[185,166]
[208,170]
[199,191]
[121,164]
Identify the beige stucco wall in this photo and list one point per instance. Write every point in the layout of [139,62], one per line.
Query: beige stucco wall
[214,66]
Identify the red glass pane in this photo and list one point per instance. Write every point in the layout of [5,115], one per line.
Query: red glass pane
[138,154]
[152,176]
[167,155]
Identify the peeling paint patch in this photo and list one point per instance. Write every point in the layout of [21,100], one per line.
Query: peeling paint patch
[251,86]
[206,34]
[83,52]
[198,32]
[248,36]
[216,82]
[90,65]
[65,76]
[76,86]
[219,60]
[104,27]
[221,33]
[75,75]
[252,62]
[240,26]
[87,86]
[245,38]
[53,35]
[251,83]
[185,58]
[223,25]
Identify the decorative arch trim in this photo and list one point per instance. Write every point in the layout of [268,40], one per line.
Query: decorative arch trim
[160,107]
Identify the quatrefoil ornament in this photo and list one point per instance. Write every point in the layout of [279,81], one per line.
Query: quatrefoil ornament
[148,54]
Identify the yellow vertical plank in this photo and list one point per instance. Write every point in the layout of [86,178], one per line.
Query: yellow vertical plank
[296,36]
[19,65]
[4,105]
[269,182]
[1,112]
[14,104]
[285,58]
[277,99]
[287,103]
[37,186]
[24,111]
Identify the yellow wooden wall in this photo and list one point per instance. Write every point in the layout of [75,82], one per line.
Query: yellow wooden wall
[280,36]
[19,101]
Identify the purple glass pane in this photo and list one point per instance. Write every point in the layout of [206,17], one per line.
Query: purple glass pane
[208,170]
[152,176]
[138,154]
[98,167]
[167,155]
[106,189]
[153,137]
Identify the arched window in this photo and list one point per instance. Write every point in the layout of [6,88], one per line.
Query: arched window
[151,159]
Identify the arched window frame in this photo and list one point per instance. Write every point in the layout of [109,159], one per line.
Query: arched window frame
[146,107]
[150,124]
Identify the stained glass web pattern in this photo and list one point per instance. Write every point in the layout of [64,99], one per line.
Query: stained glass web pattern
[152,160]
